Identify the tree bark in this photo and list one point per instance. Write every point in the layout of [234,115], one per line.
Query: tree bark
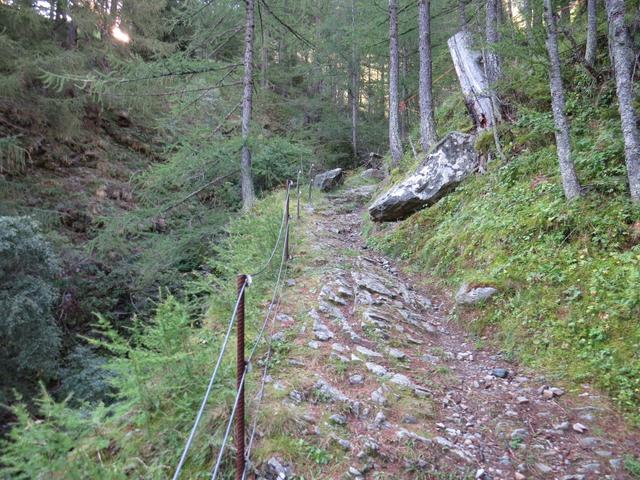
[527,13]
[246,180]
[72,28]
[355,77]
[493,62]
[623,60]
[264,65]
[404,112]
[462,15]
[428,135]
[592,33]
[394,127]
[472,78]
[567,169]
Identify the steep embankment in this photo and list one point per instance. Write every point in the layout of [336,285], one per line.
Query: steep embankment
[568,274]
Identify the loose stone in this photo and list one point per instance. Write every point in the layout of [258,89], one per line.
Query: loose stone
[500,372]
[377,369]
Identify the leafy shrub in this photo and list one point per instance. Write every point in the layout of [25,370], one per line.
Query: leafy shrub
[30,337]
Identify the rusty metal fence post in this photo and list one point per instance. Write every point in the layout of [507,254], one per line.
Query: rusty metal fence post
[286,223]
[240,370]
[298,194]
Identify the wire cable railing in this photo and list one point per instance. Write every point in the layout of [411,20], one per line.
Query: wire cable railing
[207,393]
[244,366]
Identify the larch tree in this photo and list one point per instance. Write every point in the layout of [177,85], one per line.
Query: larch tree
[246,179]
[394,120]
[462,14]
[622,54]
[428,135]
[354,91]
[570,182]
[493,62]
[592,33]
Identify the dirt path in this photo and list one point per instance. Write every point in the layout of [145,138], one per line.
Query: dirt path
[375,382]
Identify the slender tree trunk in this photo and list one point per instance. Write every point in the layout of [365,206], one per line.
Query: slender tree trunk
[462,15]
[623,61]
[114,9]
[404,120]
[567,169]
[592,32]
[72,28]
[52,10]
[246,180]
[528,18]
[383,90]
[354,91]
[428,135]
[264,65]
[493,62]
[394,127]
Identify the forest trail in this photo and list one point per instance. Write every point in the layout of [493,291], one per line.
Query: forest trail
[377,382]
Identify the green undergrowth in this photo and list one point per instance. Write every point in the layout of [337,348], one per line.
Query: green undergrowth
[158,371]
[568,274]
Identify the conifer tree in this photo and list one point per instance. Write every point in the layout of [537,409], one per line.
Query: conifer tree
[427,119]
[248,195]
[567,169]
[394,124]
[621,51]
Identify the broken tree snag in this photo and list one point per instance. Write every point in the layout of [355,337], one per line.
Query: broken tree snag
[473,79]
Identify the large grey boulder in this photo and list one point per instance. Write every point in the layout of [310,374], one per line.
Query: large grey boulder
[327,180]
[451,161]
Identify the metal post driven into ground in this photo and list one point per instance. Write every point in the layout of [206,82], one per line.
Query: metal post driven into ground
[298,194]
[286,223]
[240,369]
[310,181]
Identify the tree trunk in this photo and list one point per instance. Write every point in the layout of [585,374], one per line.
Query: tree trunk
[355,76]
[246,180]
[428,135]
[114,9]
[527,13]
[404,112]
[623,60]
[383,91]
[394,127]
[567,169]
[493,62]
[72,28]
[592,32]
[264,65]
[462,15]
[472,78]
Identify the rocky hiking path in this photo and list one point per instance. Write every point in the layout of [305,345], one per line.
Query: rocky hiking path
[373,381]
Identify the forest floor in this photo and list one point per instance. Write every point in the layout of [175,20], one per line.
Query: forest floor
[374,378]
